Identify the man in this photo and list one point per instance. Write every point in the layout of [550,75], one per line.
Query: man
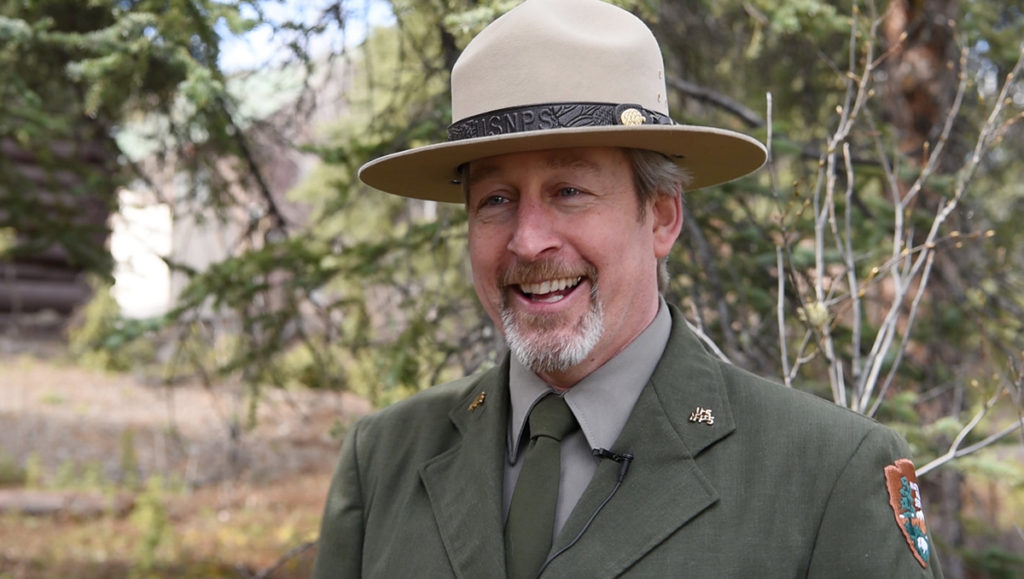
[665,461]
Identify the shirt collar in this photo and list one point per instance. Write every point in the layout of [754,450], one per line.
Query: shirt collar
[603,400]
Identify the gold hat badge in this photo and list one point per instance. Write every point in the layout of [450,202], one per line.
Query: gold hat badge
[632,117]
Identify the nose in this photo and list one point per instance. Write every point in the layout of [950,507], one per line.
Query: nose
[535,231]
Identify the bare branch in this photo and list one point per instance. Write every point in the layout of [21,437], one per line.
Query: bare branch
[911,317]
[955,451]
[867,386]
[935,154]
[780,315]
[780,266]
[291,554]
[707,341]
[703,252]
[851,268]
[749,117]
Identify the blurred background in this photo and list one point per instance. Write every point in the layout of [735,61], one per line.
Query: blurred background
[197,297]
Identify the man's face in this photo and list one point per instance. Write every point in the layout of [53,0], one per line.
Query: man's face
[562,260]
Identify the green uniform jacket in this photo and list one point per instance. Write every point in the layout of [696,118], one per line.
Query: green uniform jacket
[782,484]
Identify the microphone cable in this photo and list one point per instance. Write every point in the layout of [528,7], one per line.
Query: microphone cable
[624,461]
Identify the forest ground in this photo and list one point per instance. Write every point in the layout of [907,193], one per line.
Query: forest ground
[111,475]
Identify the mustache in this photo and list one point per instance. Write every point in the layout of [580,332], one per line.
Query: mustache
[536,271]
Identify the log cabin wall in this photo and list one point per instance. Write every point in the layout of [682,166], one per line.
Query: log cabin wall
[55,201]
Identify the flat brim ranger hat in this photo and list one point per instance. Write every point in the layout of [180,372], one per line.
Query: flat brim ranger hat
[554,74]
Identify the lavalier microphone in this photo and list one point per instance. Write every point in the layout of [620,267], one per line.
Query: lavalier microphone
[624,460]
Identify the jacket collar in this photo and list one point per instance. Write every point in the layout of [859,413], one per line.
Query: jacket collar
[464,484]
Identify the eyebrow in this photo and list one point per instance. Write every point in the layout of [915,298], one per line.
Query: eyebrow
[477,171]
[572,162]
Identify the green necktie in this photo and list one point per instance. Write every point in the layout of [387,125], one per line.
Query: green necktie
[531,516]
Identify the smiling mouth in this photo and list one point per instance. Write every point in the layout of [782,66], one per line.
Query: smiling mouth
[550,291]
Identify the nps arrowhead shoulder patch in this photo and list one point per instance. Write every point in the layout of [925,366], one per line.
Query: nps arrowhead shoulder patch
[905,500]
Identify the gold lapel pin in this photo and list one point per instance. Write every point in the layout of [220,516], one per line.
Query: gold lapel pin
[702,415]
[478,402]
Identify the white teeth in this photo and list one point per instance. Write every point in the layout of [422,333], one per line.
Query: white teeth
[550,299]
[549,286]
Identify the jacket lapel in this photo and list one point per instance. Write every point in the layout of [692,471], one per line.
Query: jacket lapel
[464,484]
[664,488]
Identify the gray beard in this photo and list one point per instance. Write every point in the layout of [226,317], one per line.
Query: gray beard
[537,344]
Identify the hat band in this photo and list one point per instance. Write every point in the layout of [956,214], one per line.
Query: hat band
[554,116]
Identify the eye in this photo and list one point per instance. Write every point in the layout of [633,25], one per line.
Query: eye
[490,203]
[493,201]
[569,192]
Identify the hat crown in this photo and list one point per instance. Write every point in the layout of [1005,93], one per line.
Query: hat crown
[553,74]
[559,51]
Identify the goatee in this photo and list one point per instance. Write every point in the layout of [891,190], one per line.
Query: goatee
[543,343]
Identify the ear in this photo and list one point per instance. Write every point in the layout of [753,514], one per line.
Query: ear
[667,214]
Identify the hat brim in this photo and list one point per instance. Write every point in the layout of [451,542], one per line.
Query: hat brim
[711,156]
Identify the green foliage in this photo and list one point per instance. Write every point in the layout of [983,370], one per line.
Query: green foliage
[152,522]
[103,339]
[8,240]
[130,473]
[370,293]
[74,72]
[11,473]
[801,52]
[996,563]
[66,475]
[796,17]
[468,23]
[995,477]
[33,471]
[993,466]
[52,399]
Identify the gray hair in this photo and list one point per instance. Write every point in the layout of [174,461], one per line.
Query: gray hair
[656,174]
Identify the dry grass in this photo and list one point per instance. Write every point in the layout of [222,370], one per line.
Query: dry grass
[222,531]
[225,498]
